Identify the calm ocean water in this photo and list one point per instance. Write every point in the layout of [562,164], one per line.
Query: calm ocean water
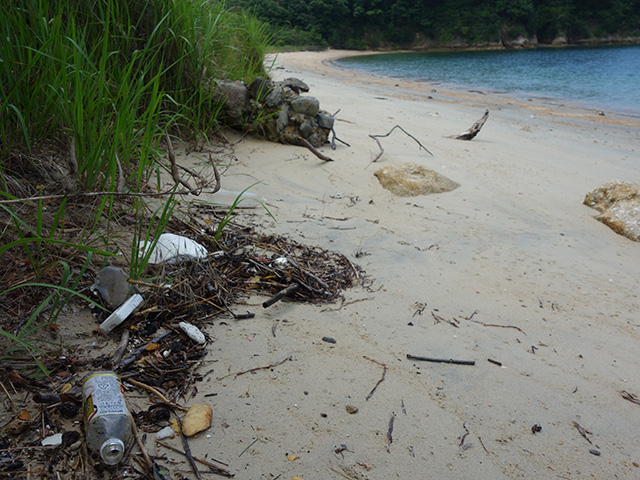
[605,78]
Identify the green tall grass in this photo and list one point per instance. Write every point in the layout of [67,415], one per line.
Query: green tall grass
[87,88]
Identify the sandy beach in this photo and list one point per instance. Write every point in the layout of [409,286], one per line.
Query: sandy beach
[510,266]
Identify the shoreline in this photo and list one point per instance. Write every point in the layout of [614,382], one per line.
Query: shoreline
[329,58]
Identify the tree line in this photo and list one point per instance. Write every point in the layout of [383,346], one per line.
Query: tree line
[362,24]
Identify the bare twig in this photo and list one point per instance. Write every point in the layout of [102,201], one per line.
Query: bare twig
[630,397]
[174,169]
[384,372]
[441,360]
[251,370]
[141,446]
[248,447]
[122,347]
[140,350]
[214,468]
[313,150]
[375,137]
[281,294]
[187,450]
[583,432]
[162,398]
[390,431]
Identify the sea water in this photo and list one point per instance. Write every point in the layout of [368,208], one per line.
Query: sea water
[604,77]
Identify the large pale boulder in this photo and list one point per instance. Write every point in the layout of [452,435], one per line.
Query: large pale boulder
[411,179]
[619,205]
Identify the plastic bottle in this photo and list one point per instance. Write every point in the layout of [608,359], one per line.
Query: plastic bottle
[107,421]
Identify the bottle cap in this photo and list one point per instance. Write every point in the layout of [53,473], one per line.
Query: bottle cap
[112,451]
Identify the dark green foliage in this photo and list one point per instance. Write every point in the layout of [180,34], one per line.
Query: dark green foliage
[406,23]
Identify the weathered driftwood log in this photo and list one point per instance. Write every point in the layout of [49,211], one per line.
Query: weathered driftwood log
[475,128]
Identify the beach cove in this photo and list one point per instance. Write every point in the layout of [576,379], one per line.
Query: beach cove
[510,266]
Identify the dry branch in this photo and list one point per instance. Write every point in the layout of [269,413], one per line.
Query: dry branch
[475,128]
[375,137]
[313,150]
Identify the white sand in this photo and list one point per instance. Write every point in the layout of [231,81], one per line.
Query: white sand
[513,243]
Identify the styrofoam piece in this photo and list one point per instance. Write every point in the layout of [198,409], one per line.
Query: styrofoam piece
[227,198]
[166,432]
[192,332]
[52,440]
[172,248]
[121,313]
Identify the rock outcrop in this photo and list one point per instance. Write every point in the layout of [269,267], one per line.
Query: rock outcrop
[278,110]
[411,179]
[619,205]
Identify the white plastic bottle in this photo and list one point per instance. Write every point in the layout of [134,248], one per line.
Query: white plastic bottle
[107,421]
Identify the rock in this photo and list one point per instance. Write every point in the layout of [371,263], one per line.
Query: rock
[351,410]
[306,130]
[329,339]
[192,332]
[325,121]
[259,88]
[295,84]
[305,105]
[411,179]
[235,97]
[197,419]
[619,204]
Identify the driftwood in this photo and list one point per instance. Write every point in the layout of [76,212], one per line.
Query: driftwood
[312,149]
[375,137]
[475,128]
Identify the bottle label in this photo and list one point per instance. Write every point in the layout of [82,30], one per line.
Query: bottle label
[102,395]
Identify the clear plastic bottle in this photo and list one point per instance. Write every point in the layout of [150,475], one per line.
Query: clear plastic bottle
[107,421]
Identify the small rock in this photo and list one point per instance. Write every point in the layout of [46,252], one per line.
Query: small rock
[329,339]
[305,105]
[595,452]
[197,419]
[351,409]
[192,332]
[325,121]
[295,84]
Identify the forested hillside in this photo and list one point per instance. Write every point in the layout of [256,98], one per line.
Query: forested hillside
[421,24]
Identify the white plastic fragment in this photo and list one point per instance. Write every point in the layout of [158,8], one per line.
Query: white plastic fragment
[227,198]
[52,440]
[281,262]
[166,432]
[172,248]
[192,332]
[121,313]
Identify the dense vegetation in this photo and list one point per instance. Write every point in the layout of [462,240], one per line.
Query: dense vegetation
[406,23]
[88,90]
